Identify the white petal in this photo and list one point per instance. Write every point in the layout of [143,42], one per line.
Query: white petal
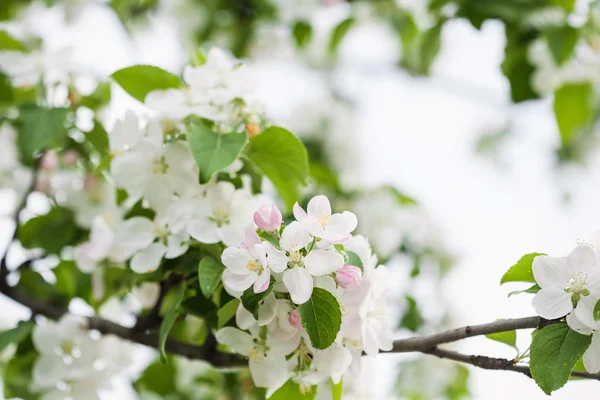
[48,371]
[591,358]
[333,361]
[552,303]
[323,262]
[238,283]
[236,259]
[148,260]
[232,234]
[327,283]
[299,283]
[276,259]
[585,312]
[284,344]
[133,170]
[267,310]
[46,337]
[582,259]
[578,326]
[240,342]
[318,206]
[299,213]
[269,371]
[262,282]
[176,246]
[243,318]
[294,237]
[204,230]
[135,233]
[550,271]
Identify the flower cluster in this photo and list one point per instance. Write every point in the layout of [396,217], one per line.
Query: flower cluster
[288,262]
[570,286]
[72,363]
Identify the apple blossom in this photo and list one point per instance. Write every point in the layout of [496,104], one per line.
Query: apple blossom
[348,277]
[319,221]
[268,218]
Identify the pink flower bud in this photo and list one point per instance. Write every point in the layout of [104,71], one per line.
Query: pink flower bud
[294,319]
[49,161]
[268,218]
[348,277]
[70,158]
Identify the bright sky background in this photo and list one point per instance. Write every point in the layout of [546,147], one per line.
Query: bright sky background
[419,134]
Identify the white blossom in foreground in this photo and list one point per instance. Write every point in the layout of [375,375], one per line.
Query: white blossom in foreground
[298,261]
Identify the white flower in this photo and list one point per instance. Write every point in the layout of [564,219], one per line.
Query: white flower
[95,197]
[222,215]
[333,361]
[154,171]
[170,104]
[91,253]
[582,321]
[27,69]
[298,279]
[150,241]
[268,367]
[564,281]
[319,221]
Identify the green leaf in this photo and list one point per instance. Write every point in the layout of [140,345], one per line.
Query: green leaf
[15,335]
[291,391]
[302,33]
[212,151]
[10,43]
[562,41]
[282,158]
[33,284]
[412,318]
[72,282]
[202,307]
[516,65]
[100,97]
[574,107]
[521,271]
[18,372]
[532,290]
[209,275]
[39,128]
[227,312]
[509,338]
[169,320]
[337,390]
[597,311]
[554,352]
[338,34]
[51,232]
[158,378]
[252,301]
[354,259]
[139,80]
[321,317]
[98,138]
[402,199]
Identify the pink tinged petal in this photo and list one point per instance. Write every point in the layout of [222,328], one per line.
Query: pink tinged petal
[238,283]
[582,259]
[240,342]
[252,237]
[323,262]
[349,277]
[268,218]
[135,233]
[319,206]
[203,230]
[551,272]
[236,260]
[299,213]
[294,319]
[148,260]
[294,237]
[267,310]
[552,303]
[243,318]
[299,283]
[262,282]
[575,324]
[591,357]
[276,259]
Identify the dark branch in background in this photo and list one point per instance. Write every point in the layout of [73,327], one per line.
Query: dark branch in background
[209,351]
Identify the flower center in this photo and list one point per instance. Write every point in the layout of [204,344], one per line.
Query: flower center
[296,259]
[160,166]
[324,220]
[220,216]
[254,265]
[577,285]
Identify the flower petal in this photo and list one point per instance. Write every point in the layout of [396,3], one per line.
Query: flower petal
[585,312]
[294,237]
[299,213]
[135,234]
[236,260]
[203,230]
[550,271]
[238,283]
[582,259]
[267,310]
[318,206]
[243,318]
[269,371]
[591,357]
[148,260]
[276,259]
[299,283]
[578,326]
[552,303]
[262,282]
[240,342]
[323,262]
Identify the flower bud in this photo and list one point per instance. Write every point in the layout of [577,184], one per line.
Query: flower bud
[294,319]
[70,158]
[268,218]
[49,161]
[253,129]
[349,277]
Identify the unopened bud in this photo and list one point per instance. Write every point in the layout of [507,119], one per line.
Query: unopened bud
[349,277]
[253,129]
[268,218]
[70,158]
[294,319]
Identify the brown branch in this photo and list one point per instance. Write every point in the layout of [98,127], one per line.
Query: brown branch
[495,363]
